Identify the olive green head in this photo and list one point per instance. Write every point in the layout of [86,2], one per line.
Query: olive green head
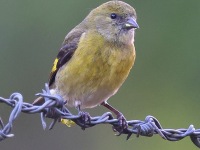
[115,20]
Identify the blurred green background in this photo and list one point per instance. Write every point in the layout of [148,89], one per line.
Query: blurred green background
[165,81]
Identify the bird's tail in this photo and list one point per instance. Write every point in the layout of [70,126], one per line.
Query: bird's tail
[38,101]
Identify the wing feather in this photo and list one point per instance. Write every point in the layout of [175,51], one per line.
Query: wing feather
[66,53]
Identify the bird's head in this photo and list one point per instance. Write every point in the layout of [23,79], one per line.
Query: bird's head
[115,20]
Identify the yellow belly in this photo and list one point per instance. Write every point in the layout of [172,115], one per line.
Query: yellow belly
[94,73]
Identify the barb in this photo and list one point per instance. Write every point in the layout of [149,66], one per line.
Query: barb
[54,108]
[16,101]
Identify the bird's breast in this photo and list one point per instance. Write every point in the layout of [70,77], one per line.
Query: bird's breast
[95,72]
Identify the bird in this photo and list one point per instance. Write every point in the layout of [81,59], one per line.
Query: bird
[96,57]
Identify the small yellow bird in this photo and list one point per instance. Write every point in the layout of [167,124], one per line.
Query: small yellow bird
[96,57]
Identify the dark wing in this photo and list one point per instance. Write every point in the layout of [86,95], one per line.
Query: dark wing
[66,52]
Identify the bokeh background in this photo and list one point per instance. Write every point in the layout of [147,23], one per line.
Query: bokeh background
[165,81]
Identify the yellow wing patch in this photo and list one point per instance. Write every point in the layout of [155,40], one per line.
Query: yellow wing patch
[53,71]
[54,68]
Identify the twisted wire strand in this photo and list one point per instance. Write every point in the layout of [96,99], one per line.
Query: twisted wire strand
[54,108]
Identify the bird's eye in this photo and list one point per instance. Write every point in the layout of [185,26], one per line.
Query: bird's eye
[113,16]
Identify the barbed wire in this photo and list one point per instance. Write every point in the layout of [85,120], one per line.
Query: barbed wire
[54,108]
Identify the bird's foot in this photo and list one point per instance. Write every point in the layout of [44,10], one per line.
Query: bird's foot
[85,118]
[122,124]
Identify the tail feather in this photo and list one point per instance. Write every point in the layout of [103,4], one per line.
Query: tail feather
[39,101]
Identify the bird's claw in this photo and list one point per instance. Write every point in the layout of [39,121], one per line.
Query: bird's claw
[85,118]
[122,124]
[122,121]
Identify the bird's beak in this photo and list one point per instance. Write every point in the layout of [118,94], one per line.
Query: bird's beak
[131,23]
